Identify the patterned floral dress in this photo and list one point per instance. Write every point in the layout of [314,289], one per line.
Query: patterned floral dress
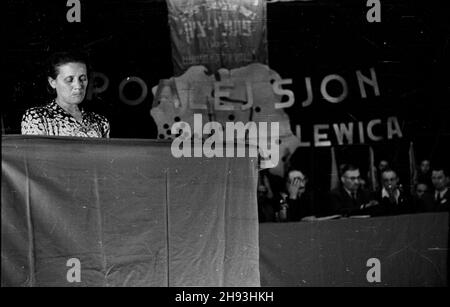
[51,119]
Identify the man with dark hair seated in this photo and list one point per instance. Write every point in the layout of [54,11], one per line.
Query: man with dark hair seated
[441,194]
[421,200]
[391,196]
[349,198]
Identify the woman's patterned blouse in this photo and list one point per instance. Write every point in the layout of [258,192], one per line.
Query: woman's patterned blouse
[53,120]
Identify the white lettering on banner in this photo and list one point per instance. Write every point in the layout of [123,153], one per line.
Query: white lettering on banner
[96,90]
[372,82]
[136,101]
[320,139]
[223,106]
[223,88]
[218,93]
[244,92]
[344,133]
[328,97]
[249,103]
[230,28]
[342,130]
[361,132]
[370,134]
[393,128]
[309,92]
[277,89]
[298,132]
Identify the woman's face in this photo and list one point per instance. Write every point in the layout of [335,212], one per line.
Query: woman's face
[70,83]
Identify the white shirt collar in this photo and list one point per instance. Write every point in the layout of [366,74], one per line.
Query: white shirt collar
[384,193]
[348,191]
[441,193]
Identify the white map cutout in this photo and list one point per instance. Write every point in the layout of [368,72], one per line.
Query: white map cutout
[251,97]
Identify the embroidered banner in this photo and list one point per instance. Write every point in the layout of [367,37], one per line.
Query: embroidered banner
[225,33]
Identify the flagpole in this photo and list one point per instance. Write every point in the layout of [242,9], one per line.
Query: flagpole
[373,177]
[412,167]
[334,180]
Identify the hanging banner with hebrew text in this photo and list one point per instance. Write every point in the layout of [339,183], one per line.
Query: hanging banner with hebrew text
[217,34]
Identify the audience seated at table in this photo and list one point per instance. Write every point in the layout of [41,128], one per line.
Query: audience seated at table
[292,198]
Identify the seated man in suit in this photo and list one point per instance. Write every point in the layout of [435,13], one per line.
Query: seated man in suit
[392,198]
[295,202]
[349,198]
[421,200]
[441,193]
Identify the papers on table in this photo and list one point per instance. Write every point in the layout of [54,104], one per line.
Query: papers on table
[322,218]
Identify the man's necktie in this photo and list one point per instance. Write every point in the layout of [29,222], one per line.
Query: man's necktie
[392,199]
[354,197]
[438,198]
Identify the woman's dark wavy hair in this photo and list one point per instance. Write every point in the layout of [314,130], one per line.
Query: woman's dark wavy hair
[60,58]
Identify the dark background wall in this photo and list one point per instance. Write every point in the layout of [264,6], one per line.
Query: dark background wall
[409,50]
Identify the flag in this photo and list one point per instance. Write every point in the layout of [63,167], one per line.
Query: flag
[372,170]
[334,174]
[217,34]
[412,167]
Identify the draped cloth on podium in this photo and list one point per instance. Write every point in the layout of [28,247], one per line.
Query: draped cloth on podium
[129,212]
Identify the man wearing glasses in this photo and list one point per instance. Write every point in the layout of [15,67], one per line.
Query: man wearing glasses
[349,198]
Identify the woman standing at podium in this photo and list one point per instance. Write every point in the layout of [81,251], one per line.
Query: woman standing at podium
[63,116]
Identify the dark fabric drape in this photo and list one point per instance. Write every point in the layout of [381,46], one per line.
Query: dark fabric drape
[130,212]
[412,250]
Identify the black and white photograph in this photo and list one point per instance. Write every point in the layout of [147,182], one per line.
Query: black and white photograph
[225,148]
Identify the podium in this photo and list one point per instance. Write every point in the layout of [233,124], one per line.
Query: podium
[115,212]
